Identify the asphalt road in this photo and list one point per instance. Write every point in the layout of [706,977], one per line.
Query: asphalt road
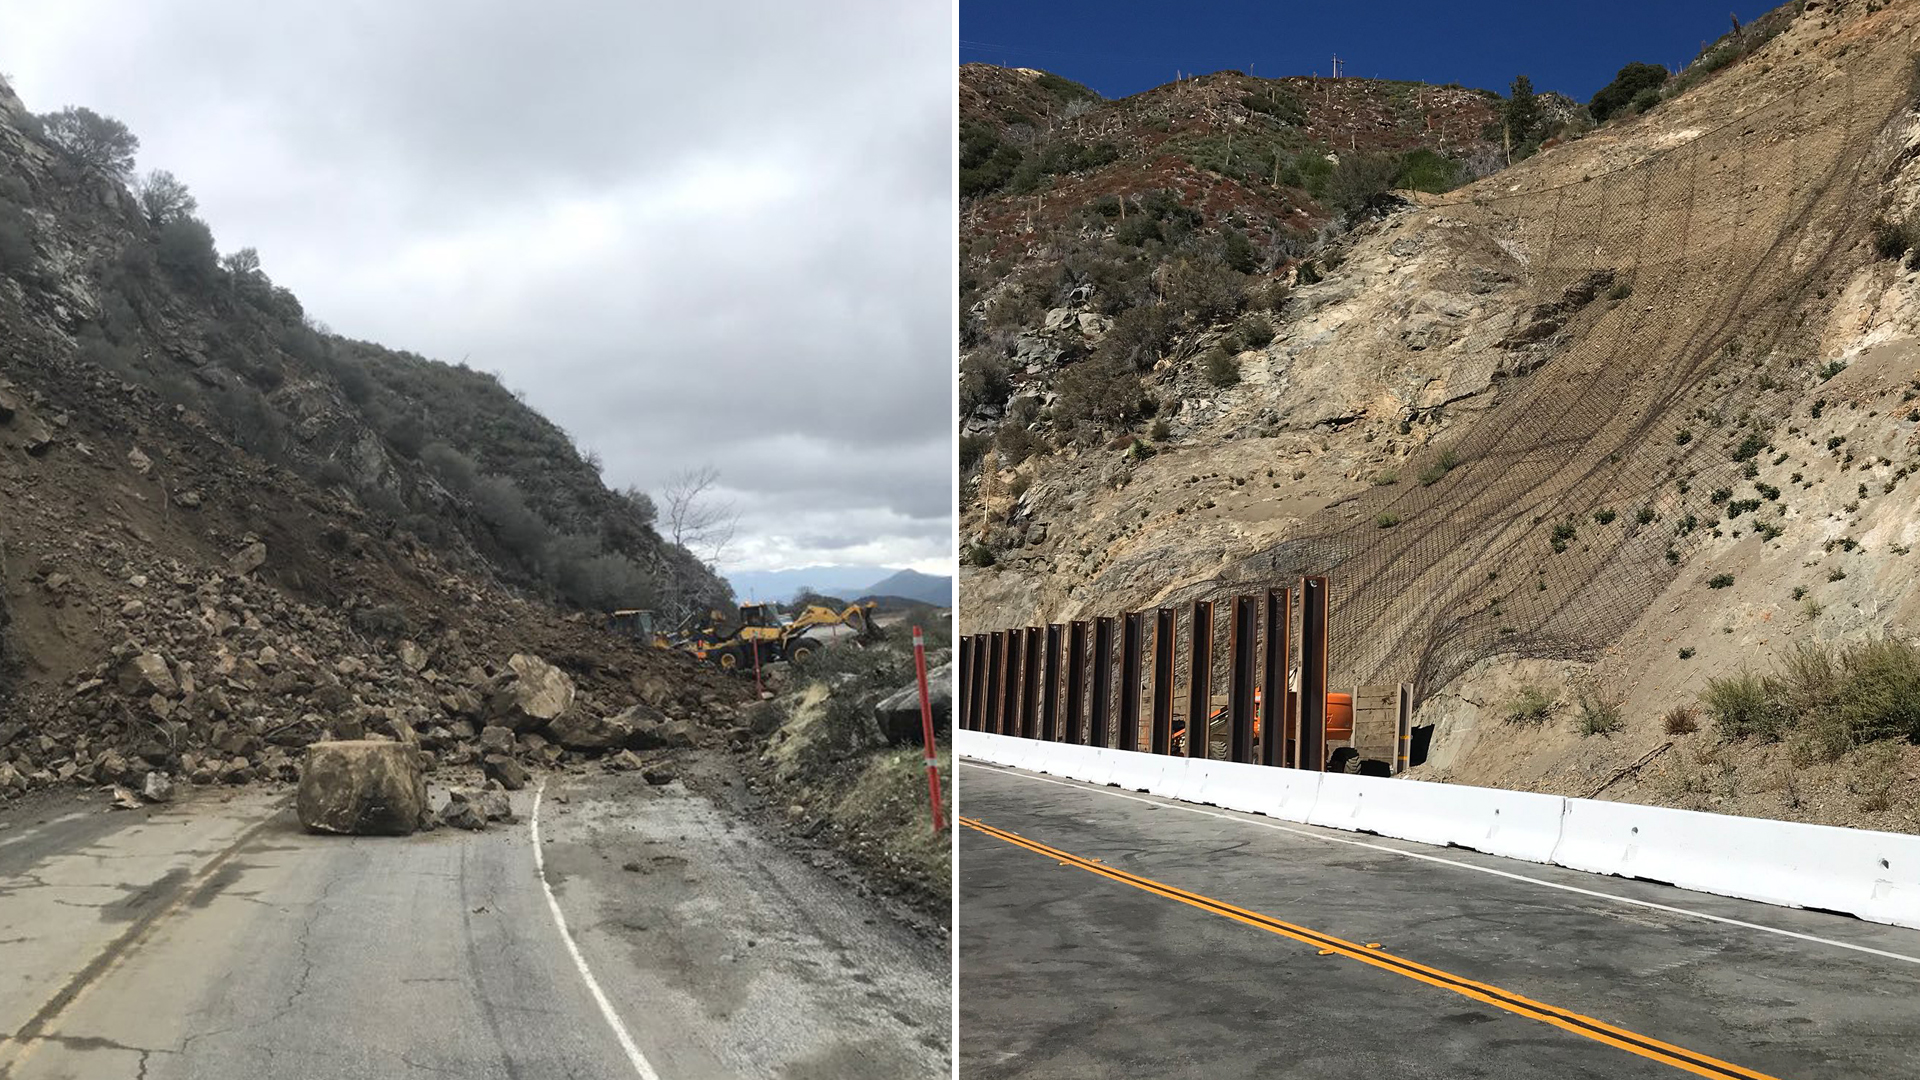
[214,939]
[1106,934]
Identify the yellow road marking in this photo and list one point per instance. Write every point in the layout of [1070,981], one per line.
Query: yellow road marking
[1328,945]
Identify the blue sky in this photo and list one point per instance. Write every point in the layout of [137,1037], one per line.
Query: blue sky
[1124,48]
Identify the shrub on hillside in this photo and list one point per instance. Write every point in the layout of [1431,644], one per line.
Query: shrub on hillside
[1532,706]
[1361,181]
[1102,393]
[163,197]
[1205,290]
[16,241]
[185,249]
[1626,85]
[1139,336]
[518,529]
[1836,697]
[1222,367]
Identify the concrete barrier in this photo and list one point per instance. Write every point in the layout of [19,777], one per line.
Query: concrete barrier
[1515,824]
[1134,771]
[1870,875]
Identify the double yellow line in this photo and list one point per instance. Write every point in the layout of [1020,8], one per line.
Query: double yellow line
[1585,1026]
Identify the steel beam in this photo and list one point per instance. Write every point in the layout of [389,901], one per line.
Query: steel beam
[996,679]
[1050,688]
[965,682]
[1273,686]
[1163,646]
[1077,681]
[1199,678]
[1132,626]
[1313,674]
[1010,683]
[1102,680]
[979,682]
[1030,684]
[1242,640]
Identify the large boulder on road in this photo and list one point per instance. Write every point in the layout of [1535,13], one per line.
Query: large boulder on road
[362,787]
[533,692]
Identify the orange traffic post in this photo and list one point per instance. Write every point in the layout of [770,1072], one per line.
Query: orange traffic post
[926,728]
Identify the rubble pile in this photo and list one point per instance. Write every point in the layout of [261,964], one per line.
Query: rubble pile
[221,678]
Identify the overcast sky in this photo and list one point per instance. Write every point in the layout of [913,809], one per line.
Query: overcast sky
[692,233]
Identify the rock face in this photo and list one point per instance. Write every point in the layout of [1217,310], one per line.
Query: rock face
[532,693]
[362,788]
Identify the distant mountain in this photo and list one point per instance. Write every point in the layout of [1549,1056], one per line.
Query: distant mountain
[845,581]
[913,585]
[780,585]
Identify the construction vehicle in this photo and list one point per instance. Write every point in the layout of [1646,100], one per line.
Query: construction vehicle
[639,624]
[761,628]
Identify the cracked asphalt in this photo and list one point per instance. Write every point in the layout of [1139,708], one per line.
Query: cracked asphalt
[214,939]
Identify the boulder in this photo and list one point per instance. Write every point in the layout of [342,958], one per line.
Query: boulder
[653,730]
[495,739]
[157,787]
[467,809]
[362,787]
[579,730]
[461,813]
[533,693]
[412,656]
[511,774]
[899,712]
[248,559]
[146,674]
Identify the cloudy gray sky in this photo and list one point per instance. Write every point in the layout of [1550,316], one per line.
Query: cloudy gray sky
[692,233]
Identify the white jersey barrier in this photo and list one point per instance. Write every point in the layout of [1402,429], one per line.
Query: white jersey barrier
[1871,875]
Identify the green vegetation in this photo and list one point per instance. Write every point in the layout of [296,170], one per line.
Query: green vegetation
[1222,367]
[1626,86]
[90,140]
[1387,519]
[1720,581]
[1532,707]
[1599,717]
[1831,698]
[1892,238]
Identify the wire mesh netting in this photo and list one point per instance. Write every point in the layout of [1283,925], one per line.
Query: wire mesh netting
[1682,293]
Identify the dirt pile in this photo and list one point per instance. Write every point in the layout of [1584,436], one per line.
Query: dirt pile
[843,762]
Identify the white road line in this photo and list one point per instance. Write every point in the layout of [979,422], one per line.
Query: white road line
[641,1067]
[1616,898]
[38,829]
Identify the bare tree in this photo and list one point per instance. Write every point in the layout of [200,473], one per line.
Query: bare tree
[698,519]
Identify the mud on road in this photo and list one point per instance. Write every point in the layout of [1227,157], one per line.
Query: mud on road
[213,938]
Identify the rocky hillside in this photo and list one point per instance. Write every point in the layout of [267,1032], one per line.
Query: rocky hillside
[225,533]
[125,280]
[1613,431]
